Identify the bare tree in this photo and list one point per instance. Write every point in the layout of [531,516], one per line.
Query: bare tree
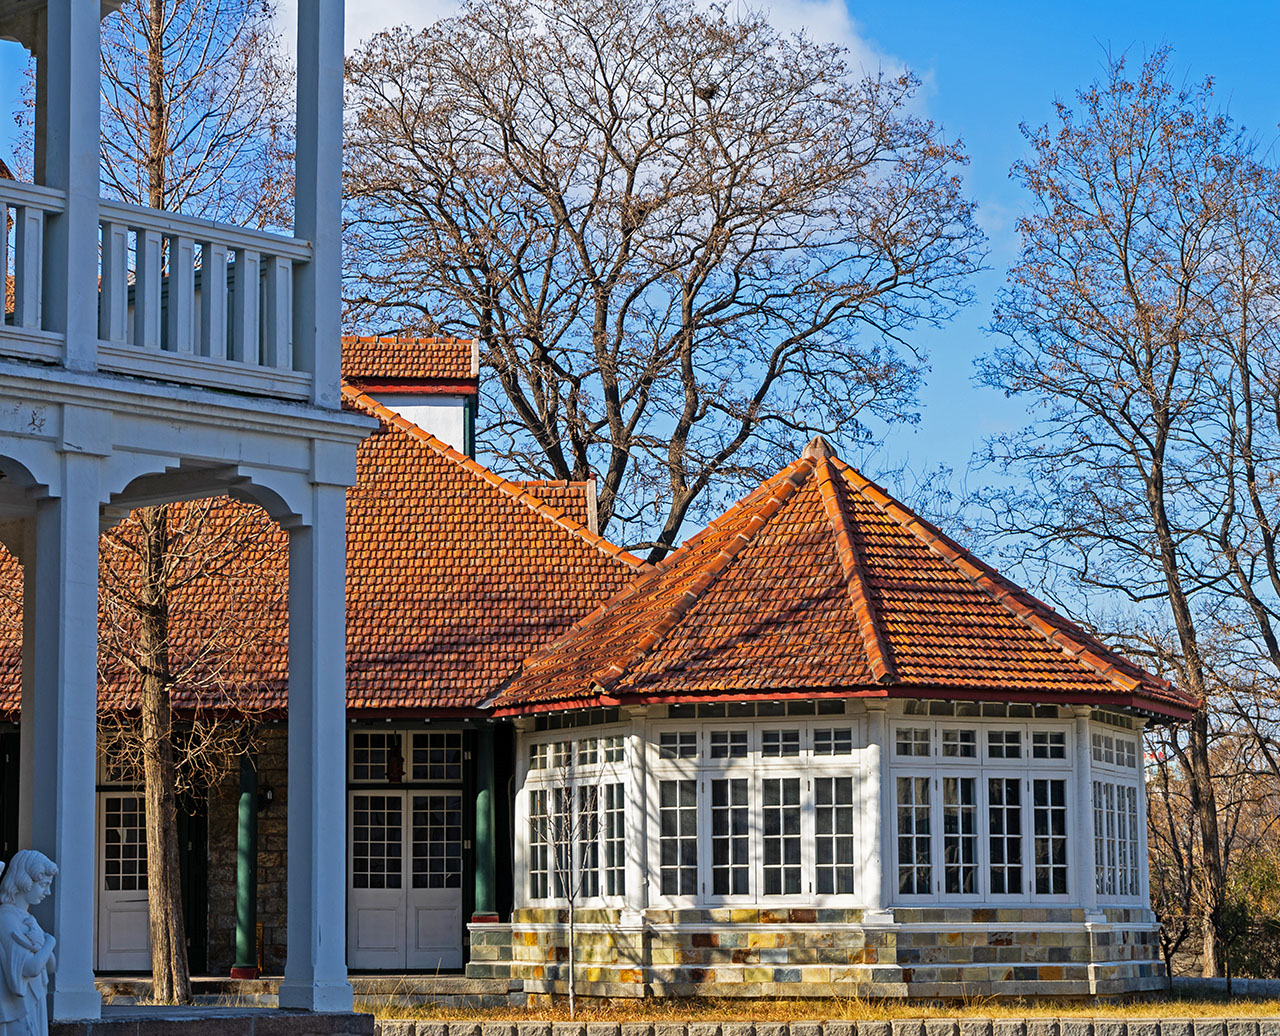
[193,121]
[1140,322]
[684,241]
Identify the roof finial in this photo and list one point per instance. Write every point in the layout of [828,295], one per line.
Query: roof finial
[818,447]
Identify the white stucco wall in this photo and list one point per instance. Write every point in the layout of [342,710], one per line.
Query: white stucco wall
[442,416]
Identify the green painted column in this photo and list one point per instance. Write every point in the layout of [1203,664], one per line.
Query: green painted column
[485,900]
[246,965]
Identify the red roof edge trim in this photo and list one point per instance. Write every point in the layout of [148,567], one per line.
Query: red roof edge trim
[1014,600]
[873,642]
[610,675]
[414,387]
[1125,701]
[511,489]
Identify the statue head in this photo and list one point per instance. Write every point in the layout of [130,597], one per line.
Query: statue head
[27,877]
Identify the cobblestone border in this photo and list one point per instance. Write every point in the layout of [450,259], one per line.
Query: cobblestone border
[1136,1026]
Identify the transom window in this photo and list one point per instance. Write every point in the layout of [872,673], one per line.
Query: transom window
[1048,744]
[397,755]
[914,741]
[1004,744]
[961,744]
[678,744]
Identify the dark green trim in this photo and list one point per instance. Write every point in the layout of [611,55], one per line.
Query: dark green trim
[247,866]
[469,406]
[485,899]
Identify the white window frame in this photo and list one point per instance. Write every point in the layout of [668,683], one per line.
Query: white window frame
[1024,769]
[575,776]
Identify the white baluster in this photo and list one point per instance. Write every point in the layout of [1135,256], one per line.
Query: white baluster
[213,300]
[244,308]
[4,259]
[182,295]
[146,291]
[28,266]
[113,293]
[277,341]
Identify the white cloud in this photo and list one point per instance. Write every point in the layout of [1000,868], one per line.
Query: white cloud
[827,21]
[365,17]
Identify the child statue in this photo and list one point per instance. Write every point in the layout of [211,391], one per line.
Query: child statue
[26,951]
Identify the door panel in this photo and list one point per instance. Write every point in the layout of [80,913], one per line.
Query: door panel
[375,925]
[435,895]
[405,886]
[124,937]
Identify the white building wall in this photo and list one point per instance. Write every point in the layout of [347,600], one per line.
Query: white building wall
[445,417]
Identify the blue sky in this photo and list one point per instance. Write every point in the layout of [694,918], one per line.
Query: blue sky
[987,67]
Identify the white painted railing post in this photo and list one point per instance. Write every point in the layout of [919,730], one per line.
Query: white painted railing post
[277,338]
[147,284]
[70,77]
[213,300]
[113,296]
[318,197]
[28,247]
[243,340]
[182,296]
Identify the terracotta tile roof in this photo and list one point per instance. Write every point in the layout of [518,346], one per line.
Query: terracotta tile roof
[821,583]
[454,574]
[393,357]
[576,499]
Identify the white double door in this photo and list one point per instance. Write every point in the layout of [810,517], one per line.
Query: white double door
[123,932]
[404,896]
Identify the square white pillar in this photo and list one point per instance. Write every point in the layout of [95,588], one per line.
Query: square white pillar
[1082,861]
[70,77]
[878,821]
[315,974]
[636,817]
[59,720]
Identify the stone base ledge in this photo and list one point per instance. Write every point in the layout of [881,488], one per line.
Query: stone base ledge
[217,1021]
[968,1025]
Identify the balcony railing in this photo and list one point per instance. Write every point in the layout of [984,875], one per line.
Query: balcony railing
[179,299]
[26,208]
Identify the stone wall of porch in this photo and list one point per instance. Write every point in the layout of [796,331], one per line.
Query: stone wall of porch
[940,952]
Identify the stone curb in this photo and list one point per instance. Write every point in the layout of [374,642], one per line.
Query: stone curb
[958,1026]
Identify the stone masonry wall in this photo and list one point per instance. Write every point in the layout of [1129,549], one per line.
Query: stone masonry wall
[820,953]
[970,1024]
[273,771]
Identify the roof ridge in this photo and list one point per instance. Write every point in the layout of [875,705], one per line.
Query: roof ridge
[606,678]
[503,485]
[873,640]
[1020,604]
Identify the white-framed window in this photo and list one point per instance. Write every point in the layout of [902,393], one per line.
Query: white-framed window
[984,818]
[1116,839]
[761,810]
[574,803]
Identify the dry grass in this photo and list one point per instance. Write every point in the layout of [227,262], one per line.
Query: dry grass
[676,1010]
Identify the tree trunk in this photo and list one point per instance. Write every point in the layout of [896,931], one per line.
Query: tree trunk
[170,975]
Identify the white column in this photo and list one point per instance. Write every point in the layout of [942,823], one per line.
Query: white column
[877,816]
[1082,861]
[71,81]
[635,821]
[1144,861]
[315,974]
[59,719]
[318,197]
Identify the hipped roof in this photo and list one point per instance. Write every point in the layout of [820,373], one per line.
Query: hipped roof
[819,583]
